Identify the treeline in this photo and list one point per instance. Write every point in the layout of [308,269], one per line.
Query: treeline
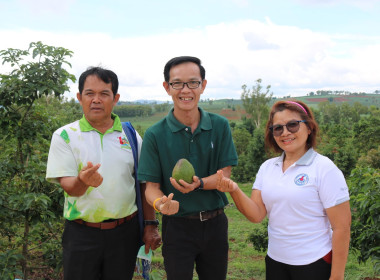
[140,110]
[338,92]
[133,110]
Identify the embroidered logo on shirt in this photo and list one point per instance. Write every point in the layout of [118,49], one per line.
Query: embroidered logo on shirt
[301,179]
[124,143]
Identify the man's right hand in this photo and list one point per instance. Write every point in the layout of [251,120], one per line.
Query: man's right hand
[90,176]
[167,205]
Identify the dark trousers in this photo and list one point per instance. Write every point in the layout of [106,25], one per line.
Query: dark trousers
[318,270]
[95,254]
[187,241]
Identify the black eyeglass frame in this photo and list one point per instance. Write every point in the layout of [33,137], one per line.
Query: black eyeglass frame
[187,84]
[279,132]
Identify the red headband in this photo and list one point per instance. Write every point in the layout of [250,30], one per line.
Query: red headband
[299,105]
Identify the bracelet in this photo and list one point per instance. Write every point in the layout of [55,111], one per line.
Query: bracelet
[154,204]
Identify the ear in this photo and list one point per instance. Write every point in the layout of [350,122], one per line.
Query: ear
[167,87]
[79,97]
[116,99]
[204,83]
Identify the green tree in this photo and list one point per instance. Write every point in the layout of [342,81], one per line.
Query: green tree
[367,133]
[241,138]
[256,102]
[330,113]
[338,145]
[364,184]
[251,155]
[27,201]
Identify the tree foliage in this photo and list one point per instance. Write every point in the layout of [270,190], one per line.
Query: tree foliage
[364,186]
[133,111]
[29,206]
[256,102]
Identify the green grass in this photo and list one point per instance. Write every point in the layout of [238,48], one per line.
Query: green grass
[141,124]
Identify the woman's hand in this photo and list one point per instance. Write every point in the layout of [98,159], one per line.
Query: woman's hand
[225,184]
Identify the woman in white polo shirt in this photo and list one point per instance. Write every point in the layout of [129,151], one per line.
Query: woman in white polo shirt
[305,197]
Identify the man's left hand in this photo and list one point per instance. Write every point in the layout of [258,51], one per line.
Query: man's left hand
[151,238]
[186,187]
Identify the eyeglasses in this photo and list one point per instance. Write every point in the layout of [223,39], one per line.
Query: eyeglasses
[181,85]
[292,126]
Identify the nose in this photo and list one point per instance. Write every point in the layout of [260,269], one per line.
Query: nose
[285,130]
[185,88]
[96,98]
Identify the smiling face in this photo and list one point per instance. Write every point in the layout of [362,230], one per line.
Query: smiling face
[97,101]
[291,143]
[185,99]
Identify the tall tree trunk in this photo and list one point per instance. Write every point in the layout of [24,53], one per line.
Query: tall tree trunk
[24,263]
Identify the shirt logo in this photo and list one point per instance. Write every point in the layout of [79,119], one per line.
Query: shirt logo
[124,143]
[301,179]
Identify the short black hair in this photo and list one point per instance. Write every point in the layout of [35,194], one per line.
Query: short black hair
[105,75]
[183,59]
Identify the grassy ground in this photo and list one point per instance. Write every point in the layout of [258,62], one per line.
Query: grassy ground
[245,263]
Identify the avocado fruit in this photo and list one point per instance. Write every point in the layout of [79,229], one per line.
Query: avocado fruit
[183,170]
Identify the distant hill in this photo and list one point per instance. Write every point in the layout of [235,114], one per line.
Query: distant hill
[366,99]
[143,102]
[233,109]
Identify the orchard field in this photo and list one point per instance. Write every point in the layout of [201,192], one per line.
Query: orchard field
[32,107]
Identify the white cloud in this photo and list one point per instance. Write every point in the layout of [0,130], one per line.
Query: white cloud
[294,61]
[356,3]
[39,7]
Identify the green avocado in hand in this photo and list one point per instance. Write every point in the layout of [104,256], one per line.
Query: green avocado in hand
[183,170]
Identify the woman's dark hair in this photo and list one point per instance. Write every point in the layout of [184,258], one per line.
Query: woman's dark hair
[105,75]
[183,59]
[295,106]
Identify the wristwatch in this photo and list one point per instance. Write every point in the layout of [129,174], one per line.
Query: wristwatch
[200,186]
[151,222]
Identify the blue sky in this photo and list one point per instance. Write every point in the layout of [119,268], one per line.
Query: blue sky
[296,46]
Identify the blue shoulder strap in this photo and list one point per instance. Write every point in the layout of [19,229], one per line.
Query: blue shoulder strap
[131,135]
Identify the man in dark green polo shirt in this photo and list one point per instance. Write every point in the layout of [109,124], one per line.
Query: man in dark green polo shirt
[194,226]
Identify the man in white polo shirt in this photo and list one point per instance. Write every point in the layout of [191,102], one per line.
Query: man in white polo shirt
[92,160]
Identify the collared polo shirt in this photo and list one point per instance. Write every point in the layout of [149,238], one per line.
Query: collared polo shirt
[75,144]
[299,230]
[208,149]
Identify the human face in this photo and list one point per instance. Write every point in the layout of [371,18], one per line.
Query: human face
[185,99]
[97,101]
[291,143]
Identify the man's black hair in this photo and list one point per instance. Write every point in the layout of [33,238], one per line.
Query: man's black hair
[182,59]
[105,75]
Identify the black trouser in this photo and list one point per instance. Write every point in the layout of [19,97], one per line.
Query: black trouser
[187,241]
[94,254]
[318,270]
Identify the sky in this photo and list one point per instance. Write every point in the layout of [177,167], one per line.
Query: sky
[295,46]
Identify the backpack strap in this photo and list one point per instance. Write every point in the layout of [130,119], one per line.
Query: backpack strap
[131,135]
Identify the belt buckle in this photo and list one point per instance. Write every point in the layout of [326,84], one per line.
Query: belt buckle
[201,217]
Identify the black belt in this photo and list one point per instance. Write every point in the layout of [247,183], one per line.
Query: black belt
[205,215]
